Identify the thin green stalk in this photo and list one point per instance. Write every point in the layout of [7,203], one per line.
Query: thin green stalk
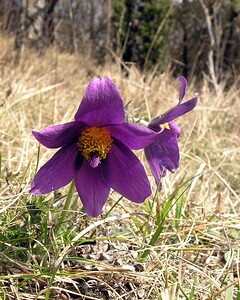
[66,207]
[61,219]
[178,213]
[183,293]
[3,293]
[115,204]
[164,213]
[191,296]
[38,158]
[149,217]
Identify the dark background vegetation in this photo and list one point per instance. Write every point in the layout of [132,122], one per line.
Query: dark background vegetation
[197,38]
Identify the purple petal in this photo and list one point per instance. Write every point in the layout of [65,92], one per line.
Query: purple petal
[183,87]
[101,105]
[167,144]
[58,135]
[123,172]
[156,167]
[174,113]
[57,172]
[164,152]
[91,188]
[174,129]
[134,136]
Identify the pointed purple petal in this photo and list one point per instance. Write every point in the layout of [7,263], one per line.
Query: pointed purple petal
[123,172]
[134,136]
[183,87]
[58,135]
[174,113]
[102,104]
[156,167]
[57,172]
[168,150]
[91,188]
[164,152]
[174,129]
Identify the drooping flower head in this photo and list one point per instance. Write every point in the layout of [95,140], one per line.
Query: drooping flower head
[163,153]
[95,151]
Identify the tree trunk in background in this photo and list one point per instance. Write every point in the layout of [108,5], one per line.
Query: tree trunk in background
[21,30]
[232,43]
[185,43]
[128,53]
[214,50]
[92,28]
[185,54]
[48,21]
[9,11]
[108,34]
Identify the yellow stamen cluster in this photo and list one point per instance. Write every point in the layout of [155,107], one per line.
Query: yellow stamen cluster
[94,141]
[166,125]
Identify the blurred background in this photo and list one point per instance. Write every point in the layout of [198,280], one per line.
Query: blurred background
[195,38]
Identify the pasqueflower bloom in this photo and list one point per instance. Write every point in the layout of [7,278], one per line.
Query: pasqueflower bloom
[163,153]
[95,151]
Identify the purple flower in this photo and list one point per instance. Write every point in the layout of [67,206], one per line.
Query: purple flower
[95,151]
[163,153]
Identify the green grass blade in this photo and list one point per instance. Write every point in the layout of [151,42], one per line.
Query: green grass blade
[66,207]
[169,204]
[179,206]
[149,218]
[114,205]
[191,296]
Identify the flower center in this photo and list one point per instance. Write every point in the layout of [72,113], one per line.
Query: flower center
[166,125]
[94,143]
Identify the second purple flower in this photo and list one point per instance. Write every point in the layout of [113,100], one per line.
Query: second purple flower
[163,153]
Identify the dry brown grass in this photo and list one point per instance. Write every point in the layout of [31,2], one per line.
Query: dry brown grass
[201,256]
